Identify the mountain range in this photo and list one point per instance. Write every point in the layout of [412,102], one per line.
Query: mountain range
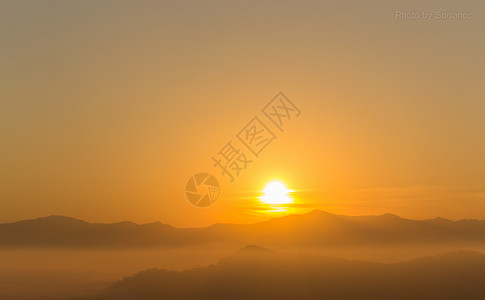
[316,228]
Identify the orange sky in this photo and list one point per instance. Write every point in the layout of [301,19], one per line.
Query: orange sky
[107,108]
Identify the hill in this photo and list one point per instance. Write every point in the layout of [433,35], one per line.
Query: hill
[258,273]
[316,228]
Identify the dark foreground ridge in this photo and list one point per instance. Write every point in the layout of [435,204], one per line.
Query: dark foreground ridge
[257,273]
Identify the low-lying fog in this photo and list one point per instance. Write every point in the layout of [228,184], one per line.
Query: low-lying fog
[63,273]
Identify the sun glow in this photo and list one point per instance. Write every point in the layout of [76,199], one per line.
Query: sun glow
[276,193]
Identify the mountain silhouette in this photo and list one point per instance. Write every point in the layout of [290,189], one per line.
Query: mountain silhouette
[316,228]
[258,273]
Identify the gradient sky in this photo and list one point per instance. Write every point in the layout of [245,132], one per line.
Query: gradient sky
[108,107]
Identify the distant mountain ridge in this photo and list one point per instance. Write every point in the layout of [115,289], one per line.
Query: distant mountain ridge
[316,228]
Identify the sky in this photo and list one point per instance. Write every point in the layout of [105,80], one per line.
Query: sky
[107,108]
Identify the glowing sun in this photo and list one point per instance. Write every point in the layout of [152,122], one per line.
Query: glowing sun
[276,192]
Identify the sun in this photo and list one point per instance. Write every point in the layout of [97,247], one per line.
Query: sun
[276,192]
